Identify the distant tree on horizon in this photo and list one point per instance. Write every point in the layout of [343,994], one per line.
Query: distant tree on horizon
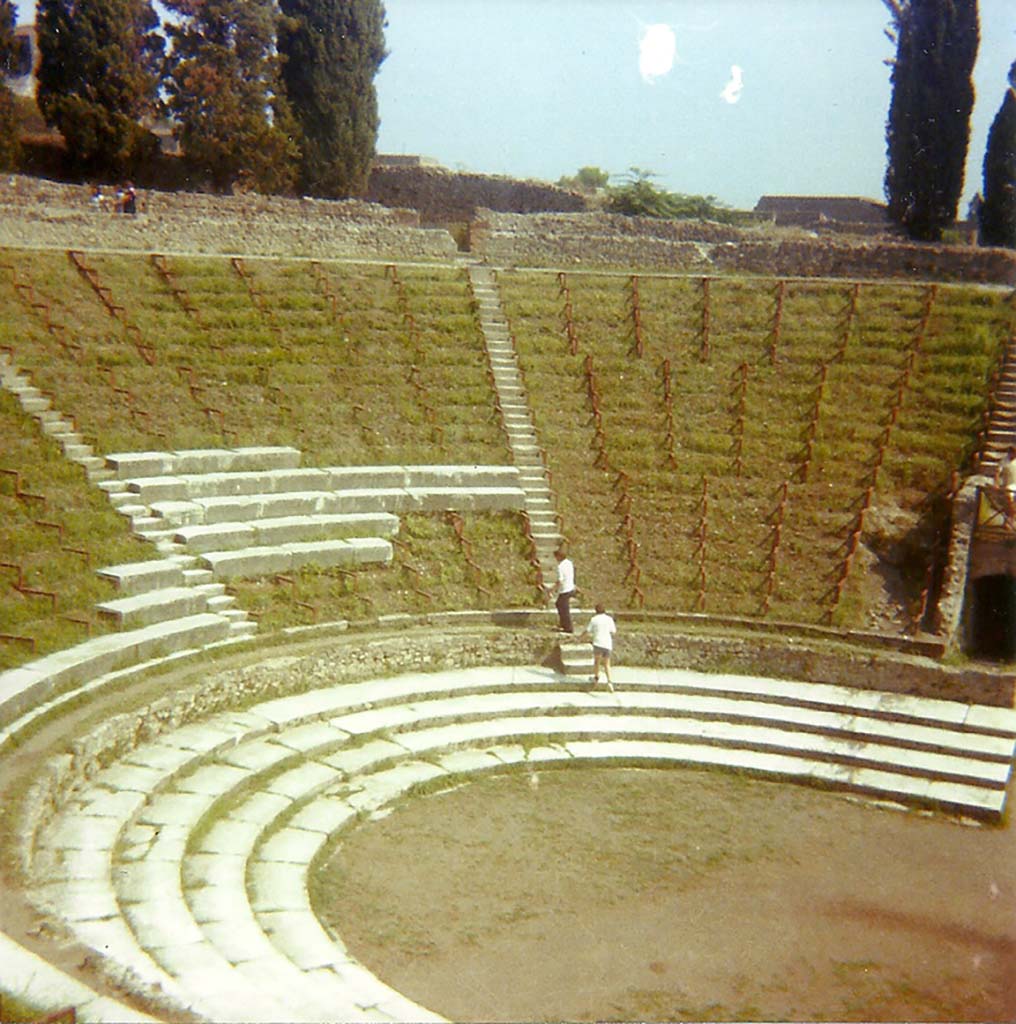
[10,147]
[585,179]
[98,78]
[997,213]
[332,50]
[637,196]
[928,128]
[224,90]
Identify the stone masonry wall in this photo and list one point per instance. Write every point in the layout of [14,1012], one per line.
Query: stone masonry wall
[605,240]
[37,212]
[441,195]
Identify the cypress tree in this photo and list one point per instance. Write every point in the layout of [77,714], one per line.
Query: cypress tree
[332,50]
[10,147]
[997,214]
[224,90]
[928,129]
[98,77]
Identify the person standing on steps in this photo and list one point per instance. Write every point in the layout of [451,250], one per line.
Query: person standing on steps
[601,630]
[564,590]
[1005,479]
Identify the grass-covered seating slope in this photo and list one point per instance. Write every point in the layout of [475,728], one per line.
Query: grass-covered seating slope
[749,447]
[352,364]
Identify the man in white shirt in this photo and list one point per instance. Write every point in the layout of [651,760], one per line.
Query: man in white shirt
[564,591]
[601,630]
[1005,478]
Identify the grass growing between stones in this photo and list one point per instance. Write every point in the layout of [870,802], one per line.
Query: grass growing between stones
[54,532]
[432,571]
[715,453]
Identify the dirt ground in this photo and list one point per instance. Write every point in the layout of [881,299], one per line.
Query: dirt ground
[609,893]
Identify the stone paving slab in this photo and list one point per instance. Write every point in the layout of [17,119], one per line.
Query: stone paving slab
[259,808]
[304,738]
[213,870]
[229,836]
[323,815]
[164,758]
[114,940]
[299,936]
[275,885]
[90,899]
[278,974]
[137,880]
[211,779]
[468,761]
[79,832]
[184,809]
[120,803]
[255,755]
[162,920]
[354,759]
[289,845]
[204,737]
[128,776]
[168,842]
[302,780]
[236,944]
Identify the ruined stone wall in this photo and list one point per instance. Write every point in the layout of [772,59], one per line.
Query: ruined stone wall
[440,195]
[37,212]
[605,240]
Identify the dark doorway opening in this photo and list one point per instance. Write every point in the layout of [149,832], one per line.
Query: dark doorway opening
[993,622]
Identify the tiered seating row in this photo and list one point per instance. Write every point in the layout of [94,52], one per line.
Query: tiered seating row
[187,862]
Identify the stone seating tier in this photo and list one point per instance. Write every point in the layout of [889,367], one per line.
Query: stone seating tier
[186,862]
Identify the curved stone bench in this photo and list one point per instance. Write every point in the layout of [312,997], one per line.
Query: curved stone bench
[187,861]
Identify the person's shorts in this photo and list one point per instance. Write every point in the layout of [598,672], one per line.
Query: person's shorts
[604,652]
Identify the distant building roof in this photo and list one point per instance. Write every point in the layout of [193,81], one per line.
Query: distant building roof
[817,209]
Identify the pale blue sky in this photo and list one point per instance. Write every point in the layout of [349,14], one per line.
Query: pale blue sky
[539,88]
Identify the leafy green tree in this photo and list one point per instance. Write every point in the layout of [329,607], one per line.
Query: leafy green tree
[637,196]
[10,147]
[224,90]
[332,50]
[586,179]
[928,128]
[98,78]
[997,213]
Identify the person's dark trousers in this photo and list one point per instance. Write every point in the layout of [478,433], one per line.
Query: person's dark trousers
[564,611]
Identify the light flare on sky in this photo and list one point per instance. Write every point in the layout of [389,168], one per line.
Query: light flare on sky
[732,90]
[657,51]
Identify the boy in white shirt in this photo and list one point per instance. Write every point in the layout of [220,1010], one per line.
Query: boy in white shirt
[601,630]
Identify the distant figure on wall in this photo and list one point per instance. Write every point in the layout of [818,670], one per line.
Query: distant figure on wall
[564,591]
[130,200]
[1005,478]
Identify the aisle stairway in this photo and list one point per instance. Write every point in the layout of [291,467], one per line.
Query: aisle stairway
[518,420]
[184,865]
[1001,432]
[575,658]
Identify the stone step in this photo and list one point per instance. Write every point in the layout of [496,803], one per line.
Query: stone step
[286,529]
[248,508]
[128,465]
[266,561]
[153,606]
[141,577]
[205,893]
[188,486]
